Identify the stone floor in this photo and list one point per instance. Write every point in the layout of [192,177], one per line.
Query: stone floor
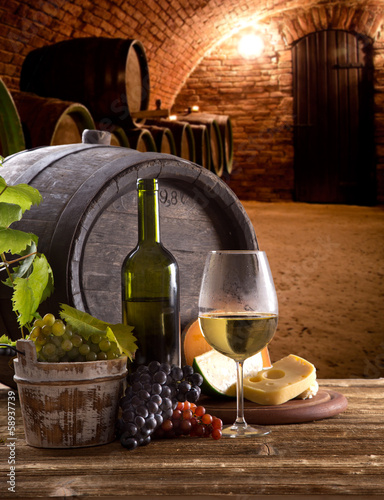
[328,267]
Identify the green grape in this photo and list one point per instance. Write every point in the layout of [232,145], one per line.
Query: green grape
[91,356]
[73,353]
[49,319]
[36,330]
[55,340]
[41,339]
[95,348]
[84,349]
[49,350]
[46,330]
[96,338]
[38,322]
[58,328]
[77,340]
[66,345]
[105,345]
[102,356]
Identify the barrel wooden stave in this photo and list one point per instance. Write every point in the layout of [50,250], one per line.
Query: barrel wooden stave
[93,226]
[110,76]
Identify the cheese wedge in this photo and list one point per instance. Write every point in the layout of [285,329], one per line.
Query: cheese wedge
[287,379]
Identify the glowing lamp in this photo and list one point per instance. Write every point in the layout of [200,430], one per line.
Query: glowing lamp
[250,46]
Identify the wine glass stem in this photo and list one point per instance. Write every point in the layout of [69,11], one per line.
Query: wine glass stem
[240,421]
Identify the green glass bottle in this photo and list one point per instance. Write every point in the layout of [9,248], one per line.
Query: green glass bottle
[150,286]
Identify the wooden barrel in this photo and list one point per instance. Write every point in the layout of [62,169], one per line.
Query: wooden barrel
[87,222]
[217,157]
[141,139]
[202,145]
[163,137]
[51,122]
[183,136]
[118,135]
[11,131]
[109,76]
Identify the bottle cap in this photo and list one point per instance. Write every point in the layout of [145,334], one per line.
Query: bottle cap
[147,184]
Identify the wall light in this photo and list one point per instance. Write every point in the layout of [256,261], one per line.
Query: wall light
[250,46]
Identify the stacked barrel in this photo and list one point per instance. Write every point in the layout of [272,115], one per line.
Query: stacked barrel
[103,83]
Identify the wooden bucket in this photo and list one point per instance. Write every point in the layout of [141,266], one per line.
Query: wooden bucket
[11,131]
[216,143]
[68,405]
[202,145]
[110,76]
[51,122]
[163,137]
[87,222]
[182,134]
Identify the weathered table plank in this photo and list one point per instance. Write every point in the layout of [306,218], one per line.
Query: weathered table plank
[343,455]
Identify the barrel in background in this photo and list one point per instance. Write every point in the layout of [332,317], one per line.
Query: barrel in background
[202,145]
[49,121]
[141,139]
[109,76]
[216,144]
[87,222]
[163,137]
[11,131]
[182,134]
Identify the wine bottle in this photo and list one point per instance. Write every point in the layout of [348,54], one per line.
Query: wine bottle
[150,286]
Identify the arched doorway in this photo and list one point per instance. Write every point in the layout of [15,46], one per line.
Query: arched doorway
[333,112]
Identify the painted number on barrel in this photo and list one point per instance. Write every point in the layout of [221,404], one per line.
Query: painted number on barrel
[173,197]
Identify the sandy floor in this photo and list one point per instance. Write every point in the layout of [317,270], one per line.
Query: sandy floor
[328,266]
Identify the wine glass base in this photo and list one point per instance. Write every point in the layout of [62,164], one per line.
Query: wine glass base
[236,431]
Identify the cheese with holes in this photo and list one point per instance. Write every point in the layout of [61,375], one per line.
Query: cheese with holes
[287,379]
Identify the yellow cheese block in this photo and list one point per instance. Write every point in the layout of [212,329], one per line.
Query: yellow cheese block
[287,379]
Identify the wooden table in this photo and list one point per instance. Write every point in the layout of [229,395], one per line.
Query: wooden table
[342,455]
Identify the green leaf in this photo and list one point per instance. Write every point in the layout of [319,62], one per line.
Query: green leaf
[28,292]
[14,241]
[21,194]
[25,268]
[86,325]
[9,212]
[6,340]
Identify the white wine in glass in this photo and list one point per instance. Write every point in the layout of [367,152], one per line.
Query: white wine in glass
[238,313]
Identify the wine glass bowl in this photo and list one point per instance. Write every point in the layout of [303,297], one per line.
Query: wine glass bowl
[238,314]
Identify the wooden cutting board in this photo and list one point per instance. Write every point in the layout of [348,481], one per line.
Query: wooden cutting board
[325,404]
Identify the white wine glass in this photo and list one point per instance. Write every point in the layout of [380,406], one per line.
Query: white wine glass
[238,313]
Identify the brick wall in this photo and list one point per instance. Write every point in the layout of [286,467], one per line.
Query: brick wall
[189,62]
[257,95]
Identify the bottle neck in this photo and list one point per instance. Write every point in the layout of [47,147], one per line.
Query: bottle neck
[148,211]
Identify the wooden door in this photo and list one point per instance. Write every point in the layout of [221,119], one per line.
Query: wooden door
[333,117]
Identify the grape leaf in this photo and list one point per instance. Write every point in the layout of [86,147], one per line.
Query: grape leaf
[21,194]
[25,267]
[14,241]
[28,292]
[6,340]
[87,325]
[9,212]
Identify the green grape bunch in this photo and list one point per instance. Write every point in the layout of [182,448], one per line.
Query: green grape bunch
[57,342]
[79,337]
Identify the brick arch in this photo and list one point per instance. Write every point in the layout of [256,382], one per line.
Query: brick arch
[296,24]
